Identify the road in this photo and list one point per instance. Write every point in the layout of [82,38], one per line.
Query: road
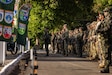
[57,64]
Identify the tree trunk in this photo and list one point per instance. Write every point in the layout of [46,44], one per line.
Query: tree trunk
[37,41]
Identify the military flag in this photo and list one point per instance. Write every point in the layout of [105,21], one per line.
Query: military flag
[6,19]
[23,23]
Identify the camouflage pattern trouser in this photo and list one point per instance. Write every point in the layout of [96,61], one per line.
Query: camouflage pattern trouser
[93,52]
[104,52]
[53,46]
[58,47]
[86,48]
[99,49]
[65,44]
[70,48]
[77,48]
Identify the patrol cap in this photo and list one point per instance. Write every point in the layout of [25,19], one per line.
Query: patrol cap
[88,23]
[65,25]
[108,9]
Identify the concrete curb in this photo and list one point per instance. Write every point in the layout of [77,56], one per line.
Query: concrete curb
[7,69]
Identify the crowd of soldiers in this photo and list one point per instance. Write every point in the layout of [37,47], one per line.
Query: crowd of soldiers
[68,41]
[95,41]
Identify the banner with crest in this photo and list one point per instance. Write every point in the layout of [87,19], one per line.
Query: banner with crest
[6,19]
[23,23]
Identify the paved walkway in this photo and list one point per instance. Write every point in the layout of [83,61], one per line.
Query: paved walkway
[57,64]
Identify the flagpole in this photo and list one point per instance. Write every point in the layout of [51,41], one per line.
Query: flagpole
[16,10]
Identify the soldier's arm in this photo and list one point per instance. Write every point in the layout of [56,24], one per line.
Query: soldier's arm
[67,34]
[64,35]
[105,27]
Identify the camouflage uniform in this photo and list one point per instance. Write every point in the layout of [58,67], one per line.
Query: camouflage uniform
[58,42]
[73,44]
[88,39]
[93,47]
[65,36]
[99,49]
[70,47]
[93,42]
[99,45]
[46,40]
[53,42]
[89,44]
[80,41]
[104,31]
[61,43]
[77,44]
[85,46]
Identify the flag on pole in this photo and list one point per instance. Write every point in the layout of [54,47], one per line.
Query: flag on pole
[6,18]
[15,20]
[23,23]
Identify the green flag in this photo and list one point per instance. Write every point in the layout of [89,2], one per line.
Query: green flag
[6,18]
[22,24]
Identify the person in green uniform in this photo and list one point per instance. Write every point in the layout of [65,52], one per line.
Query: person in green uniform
[65,37]
[104,30]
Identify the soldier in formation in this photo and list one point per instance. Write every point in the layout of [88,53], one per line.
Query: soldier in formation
[94,42]
[46,40]
[65,35]
[104,29]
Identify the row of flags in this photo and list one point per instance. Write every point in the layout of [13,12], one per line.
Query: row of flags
[13,21]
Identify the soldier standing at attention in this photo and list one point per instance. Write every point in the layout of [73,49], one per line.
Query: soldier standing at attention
[85,38]
[108,20]
[99,40]
[76,36]
[73,42]
[104,31]
[89,41]
[70,42]
[58,42]
[93,41]
[80,41]
[46,40]
[65,36]
[53,41]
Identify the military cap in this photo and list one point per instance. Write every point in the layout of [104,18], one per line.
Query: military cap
[65,24]
[108,9]
[88,23]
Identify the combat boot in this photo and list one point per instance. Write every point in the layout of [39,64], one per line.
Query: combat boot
[105,71]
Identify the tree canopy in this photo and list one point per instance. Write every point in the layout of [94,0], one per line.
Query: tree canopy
[54,13]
